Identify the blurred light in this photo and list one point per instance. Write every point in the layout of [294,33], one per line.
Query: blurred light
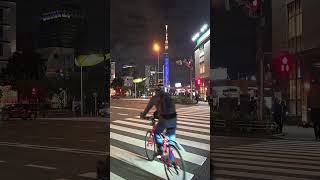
[195,37]
[156,47]
[177,85]
[307,86]
[204,28]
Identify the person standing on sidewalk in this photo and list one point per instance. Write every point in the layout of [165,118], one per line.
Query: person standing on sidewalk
[277,113]
[314,106]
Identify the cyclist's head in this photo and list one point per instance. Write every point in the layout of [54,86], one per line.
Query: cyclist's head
[159,88]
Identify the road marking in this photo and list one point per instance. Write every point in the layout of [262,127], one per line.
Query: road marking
[180,119]
[190,117]
[244,175]
[152,167]
[41,167]
[224,155]
[194,144]
[121,114]
[179,126]
[268,169]
[115,177]
[92,175]
[190,157]
[184,133]
[52,148]
[265,153]
[265,164]
[55,138]
[134,109]
[88,140]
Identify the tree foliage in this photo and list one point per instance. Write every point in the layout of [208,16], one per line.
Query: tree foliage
[25,66]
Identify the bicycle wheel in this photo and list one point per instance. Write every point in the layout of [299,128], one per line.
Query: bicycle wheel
[149,145]
[176,168]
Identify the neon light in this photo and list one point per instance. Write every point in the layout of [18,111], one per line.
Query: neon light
[166,71]
[203,36]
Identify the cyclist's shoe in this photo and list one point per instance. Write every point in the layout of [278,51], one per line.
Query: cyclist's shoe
[159,152]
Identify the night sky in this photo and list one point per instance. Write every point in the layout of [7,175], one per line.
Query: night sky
[136,24]
[234,40]
[28,13]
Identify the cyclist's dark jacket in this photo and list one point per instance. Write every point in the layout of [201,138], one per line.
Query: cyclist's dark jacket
[154,101]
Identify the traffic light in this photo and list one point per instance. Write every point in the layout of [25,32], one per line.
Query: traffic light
[198,82]
[34,91]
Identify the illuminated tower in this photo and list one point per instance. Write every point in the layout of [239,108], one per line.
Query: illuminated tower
[166,71]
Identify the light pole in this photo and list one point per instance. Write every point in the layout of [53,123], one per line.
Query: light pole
[188,64]
[156,48]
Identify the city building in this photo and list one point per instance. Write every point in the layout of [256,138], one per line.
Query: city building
[61,37]
[61,25]
[112,71]
[150,74]
[202,61]
[296,31]
[166,63]
[7,31]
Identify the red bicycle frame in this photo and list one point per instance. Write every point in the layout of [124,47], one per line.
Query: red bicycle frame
[164,146]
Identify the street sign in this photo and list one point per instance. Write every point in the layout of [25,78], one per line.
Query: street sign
[283,64]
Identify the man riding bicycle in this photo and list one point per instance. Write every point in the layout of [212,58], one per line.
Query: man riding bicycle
[166,113]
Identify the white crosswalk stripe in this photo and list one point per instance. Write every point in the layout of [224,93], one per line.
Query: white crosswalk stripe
[274,159]
[127,143]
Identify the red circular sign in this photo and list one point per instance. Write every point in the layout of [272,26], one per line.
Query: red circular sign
[283,64]
[255,5]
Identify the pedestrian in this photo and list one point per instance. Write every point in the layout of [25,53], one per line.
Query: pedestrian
[283,111]
[277,112]
[197,98]
[314,106]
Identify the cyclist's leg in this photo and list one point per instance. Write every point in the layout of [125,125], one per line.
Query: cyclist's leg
[171,137]
[157,135]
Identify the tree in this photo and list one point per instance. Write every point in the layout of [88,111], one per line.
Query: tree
[117,82]
[23,71]
[25,66]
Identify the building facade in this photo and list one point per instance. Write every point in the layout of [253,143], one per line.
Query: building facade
[150,74]
[7,31]
[61,25]
[296,31]
[112,71]
[61,36]
[202,64]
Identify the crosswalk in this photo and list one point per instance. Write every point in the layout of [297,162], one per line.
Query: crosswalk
[272,159]
[127,148]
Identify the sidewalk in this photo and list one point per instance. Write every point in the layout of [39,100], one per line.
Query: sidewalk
[92,119]
[294,132]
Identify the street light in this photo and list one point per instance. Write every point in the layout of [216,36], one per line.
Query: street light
[156,48]
[135,81]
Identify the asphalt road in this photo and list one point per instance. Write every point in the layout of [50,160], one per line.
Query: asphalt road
[51,149]
[127,141]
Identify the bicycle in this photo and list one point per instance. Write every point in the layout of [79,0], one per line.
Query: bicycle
[172,168]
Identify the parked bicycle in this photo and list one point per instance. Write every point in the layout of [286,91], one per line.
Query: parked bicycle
[171,158]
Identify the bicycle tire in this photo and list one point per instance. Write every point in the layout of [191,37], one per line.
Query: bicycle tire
[149,157]
[181,164]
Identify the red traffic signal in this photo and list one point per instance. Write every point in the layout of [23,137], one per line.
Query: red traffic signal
[255,5]
[198,82]
[34,91]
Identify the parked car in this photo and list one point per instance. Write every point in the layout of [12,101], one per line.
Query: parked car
[24,111]
[104,111]
[115,97]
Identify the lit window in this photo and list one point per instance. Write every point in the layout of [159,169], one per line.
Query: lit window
[202,67]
